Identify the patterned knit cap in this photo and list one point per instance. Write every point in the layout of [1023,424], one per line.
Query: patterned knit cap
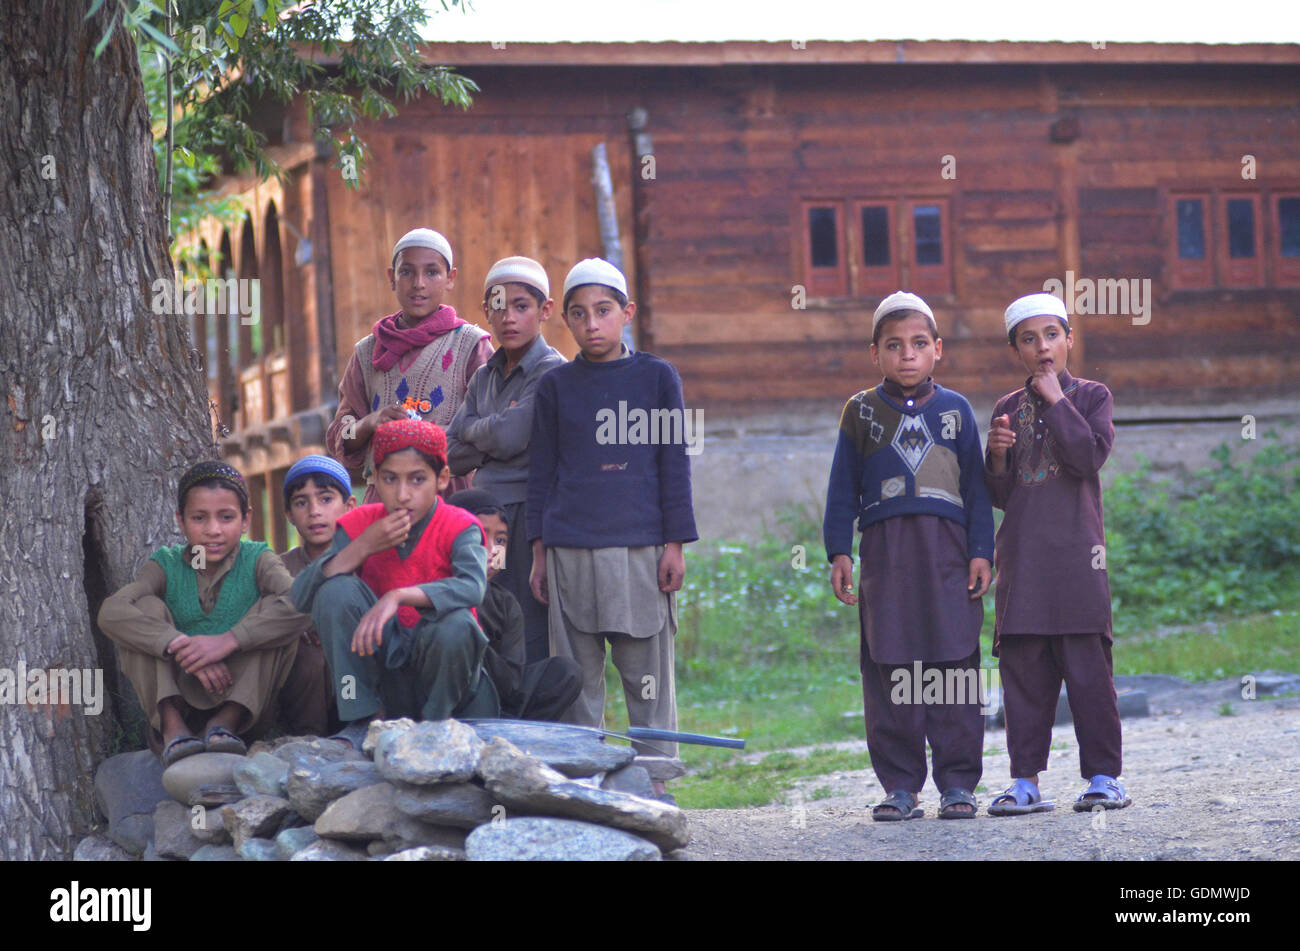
[331,470]
[399,434]
[227,475]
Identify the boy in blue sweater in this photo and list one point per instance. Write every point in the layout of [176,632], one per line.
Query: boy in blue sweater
[609,505]
[908,466]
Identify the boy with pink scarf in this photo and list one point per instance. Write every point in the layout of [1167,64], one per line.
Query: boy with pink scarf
[416,362]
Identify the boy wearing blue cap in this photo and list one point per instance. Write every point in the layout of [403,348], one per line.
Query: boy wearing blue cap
[1046,446]
[317,491]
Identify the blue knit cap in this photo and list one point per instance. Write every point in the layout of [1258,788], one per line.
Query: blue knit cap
[323,466]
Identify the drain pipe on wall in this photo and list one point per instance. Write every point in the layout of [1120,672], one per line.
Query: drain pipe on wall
[607,215]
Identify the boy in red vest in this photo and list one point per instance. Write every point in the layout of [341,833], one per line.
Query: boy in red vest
[392,596]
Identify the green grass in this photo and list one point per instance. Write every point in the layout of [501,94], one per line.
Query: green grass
[1219,649]
[765,652]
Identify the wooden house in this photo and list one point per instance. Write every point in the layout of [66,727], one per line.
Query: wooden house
[767,195]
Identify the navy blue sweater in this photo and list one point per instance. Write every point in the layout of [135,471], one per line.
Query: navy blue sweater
[606,470]
[893,458]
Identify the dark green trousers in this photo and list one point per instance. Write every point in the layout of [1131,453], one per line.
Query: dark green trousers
[431,671]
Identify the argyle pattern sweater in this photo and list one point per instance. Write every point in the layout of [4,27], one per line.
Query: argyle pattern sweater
[894,457]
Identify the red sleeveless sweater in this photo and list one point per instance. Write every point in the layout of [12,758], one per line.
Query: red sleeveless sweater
[430,561]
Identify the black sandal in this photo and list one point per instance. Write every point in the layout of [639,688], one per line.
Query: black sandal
[957,797]
[179,748]
[220,740]
[903,804]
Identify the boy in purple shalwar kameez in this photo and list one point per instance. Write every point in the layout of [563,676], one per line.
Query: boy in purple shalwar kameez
[908,467]
[1047,443]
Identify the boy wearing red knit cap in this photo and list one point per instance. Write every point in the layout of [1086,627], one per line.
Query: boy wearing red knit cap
[392,598]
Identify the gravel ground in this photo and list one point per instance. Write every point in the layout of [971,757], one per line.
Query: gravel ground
[1204,786]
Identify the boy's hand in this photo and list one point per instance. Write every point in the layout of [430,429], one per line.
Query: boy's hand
[1045,382]
[193,653]
[388,532]
[372,421]
[842,579]
[215,678]
[537,577]
[370,629]
[1001,439]
[672,568]
[981,575]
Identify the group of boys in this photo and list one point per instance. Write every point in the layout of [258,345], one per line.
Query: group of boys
[498,546]
[501,544]
[909,468]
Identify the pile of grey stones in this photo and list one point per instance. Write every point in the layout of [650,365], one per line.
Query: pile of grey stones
[439,790]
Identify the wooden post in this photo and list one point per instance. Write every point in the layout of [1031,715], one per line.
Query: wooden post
[607,215]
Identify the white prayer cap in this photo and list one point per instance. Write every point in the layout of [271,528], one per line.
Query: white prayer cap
[1035,305]
[595,271]
[899,300]
[424,238]
[518,270]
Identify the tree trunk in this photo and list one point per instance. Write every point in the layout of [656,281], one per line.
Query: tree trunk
[101,410]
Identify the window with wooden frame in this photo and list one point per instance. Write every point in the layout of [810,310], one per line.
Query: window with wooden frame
[877,265]
[1193,264]
[824,250]
[1286,238]
[928,243]
[1241,240]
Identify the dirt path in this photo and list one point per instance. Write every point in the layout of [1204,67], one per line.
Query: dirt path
[1204,786]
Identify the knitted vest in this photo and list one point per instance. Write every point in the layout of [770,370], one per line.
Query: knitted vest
[237,595]
[435,375]
[430,561]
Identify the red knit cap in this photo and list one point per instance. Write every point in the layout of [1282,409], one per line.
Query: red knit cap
[399,434]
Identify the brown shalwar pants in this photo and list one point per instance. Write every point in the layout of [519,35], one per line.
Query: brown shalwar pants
[1032,667]
[257,676]
[896,732]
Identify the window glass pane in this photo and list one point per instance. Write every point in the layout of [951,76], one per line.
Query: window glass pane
[929,234]
[875,236]
[1241,228]
[823,237]
[1288,219]
[1191,229]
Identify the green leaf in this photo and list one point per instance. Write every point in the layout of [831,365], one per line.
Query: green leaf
[239,24]
[94,8]
[161,38]
[103,40]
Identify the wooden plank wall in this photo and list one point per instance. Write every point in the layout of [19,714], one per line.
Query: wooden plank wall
[492,188]
[736,147]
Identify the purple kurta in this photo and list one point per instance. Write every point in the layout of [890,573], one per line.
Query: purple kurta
[913,602]
[1051,575]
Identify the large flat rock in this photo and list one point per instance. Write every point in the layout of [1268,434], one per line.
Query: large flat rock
[314,783]
[431,752]
[571,750]
[528,786]
[534,839]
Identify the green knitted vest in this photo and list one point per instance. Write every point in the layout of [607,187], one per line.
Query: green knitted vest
[238,589]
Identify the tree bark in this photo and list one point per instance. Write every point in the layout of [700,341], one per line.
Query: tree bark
[101,411]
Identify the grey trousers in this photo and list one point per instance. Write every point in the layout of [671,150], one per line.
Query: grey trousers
[645,664]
